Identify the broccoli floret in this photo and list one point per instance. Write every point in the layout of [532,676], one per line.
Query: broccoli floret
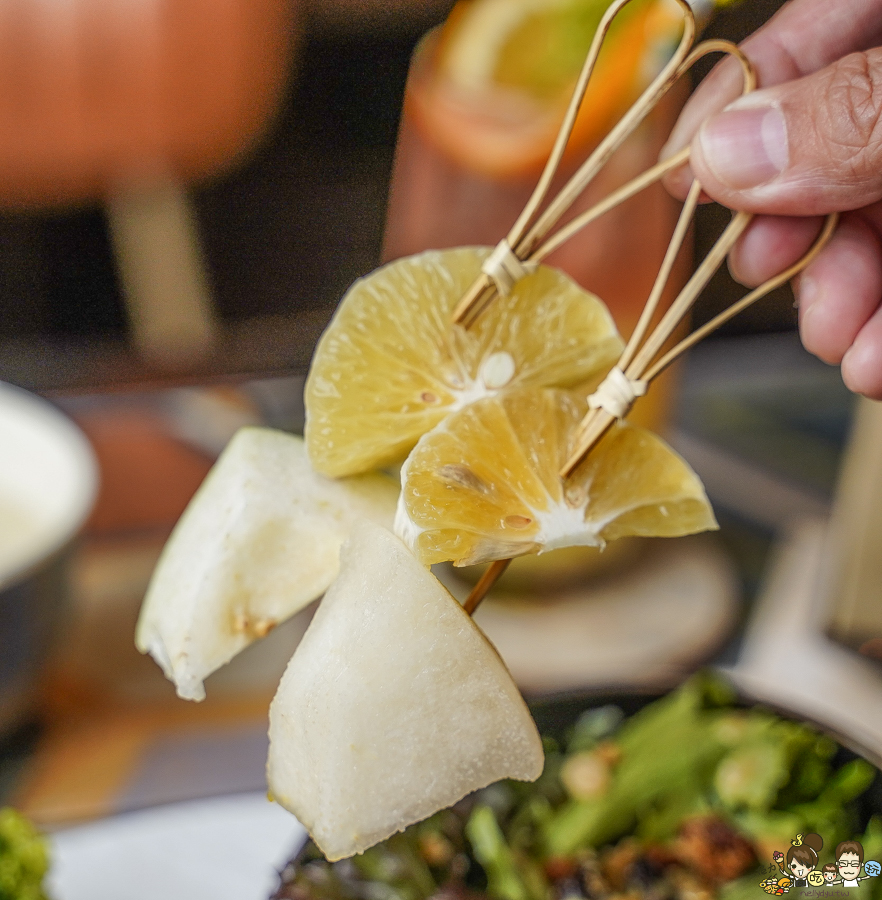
[24,858]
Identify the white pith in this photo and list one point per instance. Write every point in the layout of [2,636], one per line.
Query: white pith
[490,380]
[404,527]
[564,526]
[561,525]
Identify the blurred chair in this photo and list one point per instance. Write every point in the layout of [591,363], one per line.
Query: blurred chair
[126,102]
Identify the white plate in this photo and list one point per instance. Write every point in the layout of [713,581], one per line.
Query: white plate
[223,848]
[48,480]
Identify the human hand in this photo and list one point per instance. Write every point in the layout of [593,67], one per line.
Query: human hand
[808,143]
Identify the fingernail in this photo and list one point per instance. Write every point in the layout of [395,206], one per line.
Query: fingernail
[674,144]
[745,148]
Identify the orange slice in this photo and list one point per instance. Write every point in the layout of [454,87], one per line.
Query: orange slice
[483,485]
[390,366]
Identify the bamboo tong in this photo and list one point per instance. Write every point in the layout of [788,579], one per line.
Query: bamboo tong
[533,237]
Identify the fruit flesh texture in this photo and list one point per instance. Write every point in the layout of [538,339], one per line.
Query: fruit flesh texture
[394,705]
[484,485]
[391,366]
[258,542]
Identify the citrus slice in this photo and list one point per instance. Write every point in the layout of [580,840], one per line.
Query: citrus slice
[393,706]
[484,484]
[258,542]
[490,90]
[390,366]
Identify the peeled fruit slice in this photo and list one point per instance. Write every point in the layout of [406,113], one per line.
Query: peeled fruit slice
[484,485]
[390,366]
[259,541]
[394,705]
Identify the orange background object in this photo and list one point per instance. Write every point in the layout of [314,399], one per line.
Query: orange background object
[95,94]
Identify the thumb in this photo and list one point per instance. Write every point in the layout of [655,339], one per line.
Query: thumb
[806,147]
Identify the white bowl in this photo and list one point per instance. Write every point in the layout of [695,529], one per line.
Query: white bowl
[48,482]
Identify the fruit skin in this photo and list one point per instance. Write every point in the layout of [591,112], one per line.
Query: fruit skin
[394,705]
[390,366]
[258,542]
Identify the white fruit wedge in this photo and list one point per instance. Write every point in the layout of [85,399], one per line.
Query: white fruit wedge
[394,705]
[259,541]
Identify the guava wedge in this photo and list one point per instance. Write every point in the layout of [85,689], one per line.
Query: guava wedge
[258,542]
[393,706]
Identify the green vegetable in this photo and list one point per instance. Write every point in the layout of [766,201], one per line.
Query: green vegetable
[494,854]
[23,858]
[594,725]
[829,814]
[397,864]
[661,821]
[872,844]
[668,750]
[742,889]
[751,775]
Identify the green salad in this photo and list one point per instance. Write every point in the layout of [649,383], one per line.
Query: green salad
[24,858]
[687,799]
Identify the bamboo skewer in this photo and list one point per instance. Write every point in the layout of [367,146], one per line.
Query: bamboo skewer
[483,291]
[532,238]
[756,294]
[492,574]
[597,422]
[633,187]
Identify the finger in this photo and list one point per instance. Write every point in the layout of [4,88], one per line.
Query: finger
[840,292]
[722,86]
[803,37]
[807,147]
[770,245]
[862,364]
